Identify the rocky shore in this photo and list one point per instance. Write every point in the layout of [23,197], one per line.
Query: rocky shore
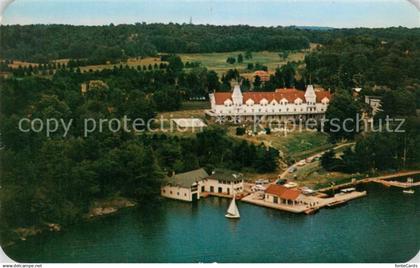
[105,207]
[98,208]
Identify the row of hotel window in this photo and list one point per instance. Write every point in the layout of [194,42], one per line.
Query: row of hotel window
[309,109]
[229,103]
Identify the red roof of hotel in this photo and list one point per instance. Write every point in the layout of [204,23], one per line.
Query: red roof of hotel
[290,94]
[322,94]
[282,192]
[220,97]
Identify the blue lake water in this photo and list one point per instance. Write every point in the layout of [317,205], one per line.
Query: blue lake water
[382,227]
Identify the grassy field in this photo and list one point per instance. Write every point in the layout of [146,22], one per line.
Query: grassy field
[296,145]
[195,105]
[313,175]
[217,61]
[212,61]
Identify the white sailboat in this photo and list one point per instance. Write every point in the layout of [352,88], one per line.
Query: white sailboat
[233,212]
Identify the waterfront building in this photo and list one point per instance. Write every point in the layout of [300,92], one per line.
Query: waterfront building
[223,182]
[279,194]
[184,186]
[282,105]
[190,186]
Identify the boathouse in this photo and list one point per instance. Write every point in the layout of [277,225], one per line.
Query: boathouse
[223,182]
[184,186]
[278,194]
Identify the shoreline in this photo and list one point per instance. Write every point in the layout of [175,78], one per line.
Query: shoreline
[113,205]
[99,209]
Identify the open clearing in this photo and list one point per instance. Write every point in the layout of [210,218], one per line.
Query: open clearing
[297,145]
[217,61]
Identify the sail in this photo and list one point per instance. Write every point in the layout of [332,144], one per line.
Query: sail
[233,209]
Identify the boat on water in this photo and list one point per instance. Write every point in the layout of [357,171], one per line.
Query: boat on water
[409,191]
[348,190]
[233,212]
[311,211]
[337,204]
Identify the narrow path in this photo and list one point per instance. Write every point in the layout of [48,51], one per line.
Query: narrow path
[282,175]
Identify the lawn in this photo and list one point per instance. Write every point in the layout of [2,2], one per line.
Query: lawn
[297,145]
[217,61]
[212,61]
[195,105]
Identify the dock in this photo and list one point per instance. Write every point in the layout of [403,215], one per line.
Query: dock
[399,184]
[300,208]
[380,179]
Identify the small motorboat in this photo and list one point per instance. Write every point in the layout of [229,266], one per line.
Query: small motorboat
[348,190]
[233,212]
[409,191]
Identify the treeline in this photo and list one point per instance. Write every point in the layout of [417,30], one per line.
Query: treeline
[41,43]
[55,179]
[72,65]
[389,142]
[379,151]
[384,65]
[168,84]
[368,62]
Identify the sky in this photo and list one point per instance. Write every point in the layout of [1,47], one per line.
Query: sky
[331,13]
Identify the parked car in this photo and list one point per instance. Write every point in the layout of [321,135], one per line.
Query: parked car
[261,181]
[307,191]
[258,188]
[292,169]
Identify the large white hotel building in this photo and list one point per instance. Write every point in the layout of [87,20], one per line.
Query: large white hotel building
[281,105]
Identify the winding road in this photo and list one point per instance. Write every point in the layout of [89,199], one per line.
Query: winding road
[282,175]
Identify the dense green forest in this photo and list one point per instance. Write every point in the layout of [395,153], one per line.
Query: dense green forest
[41,43]
[378,146]
[385,67]
[366,61]
[56,179]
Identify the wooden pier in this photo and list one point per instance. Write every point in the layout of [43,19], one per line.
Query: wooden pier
[300,208]
[399,184]
[380,179]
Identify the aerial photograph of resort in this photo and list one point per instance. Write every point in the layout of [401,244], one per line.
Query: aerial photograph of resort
[209,132]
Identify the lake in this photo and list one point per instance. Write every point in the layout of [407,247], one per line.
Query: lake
[382,227]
